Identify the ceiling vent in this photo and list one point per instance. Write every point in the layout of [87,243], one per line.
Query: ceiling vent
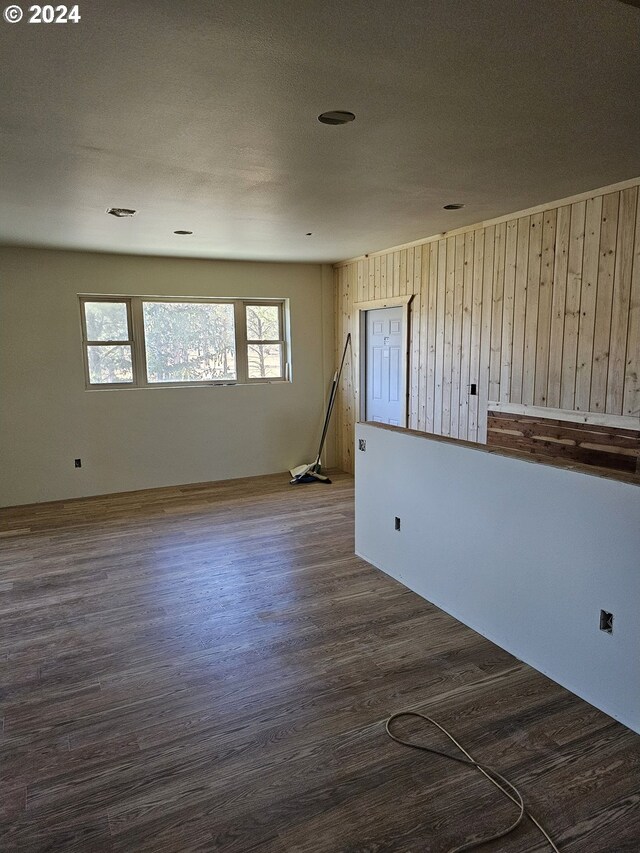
[120,212]
[336,117]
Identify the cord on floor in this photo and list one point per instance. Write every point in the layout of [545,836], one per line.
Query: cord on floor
[502,784]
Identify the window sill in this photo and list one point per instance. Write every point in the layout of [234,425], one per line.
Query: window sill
[170,385]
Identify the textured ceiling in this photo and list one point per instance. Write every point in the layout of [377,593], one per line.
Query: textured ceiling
[202,116]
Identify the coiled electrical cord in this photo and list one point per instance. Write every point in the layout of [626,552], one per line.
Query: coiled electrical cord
[502,784]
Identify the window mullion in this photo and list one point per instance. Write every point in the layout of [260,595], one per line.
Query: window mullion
[283,343]
[240,322]
[138,348]
[127,343]
[83,319]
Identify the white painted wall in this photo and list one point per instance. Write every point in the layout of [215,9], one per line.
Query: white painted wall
[142,438]
[525,554]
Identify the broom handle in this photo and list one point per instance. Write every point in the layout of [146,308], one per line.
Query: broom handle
[332,398]
[327,417]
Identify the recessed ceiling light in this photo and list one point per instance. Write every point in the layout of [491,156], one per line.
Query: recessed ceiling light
[336,117]
[120,212]
[453,206]
[183,232]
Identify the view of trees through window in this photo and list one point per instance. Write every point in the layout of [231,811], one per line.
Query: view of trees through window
[183,341]
[108,321]
[263,324]
[189,341]
[109,365]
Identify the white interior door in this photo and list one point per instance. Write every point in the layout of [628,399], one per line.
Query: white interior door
[385,366]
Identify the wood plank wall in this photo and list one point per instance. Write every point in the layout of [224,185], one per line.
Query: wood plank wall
[542,308]
[546,438]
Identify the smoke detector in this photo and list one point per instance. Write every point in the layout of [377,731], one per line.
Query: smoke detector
[120,212]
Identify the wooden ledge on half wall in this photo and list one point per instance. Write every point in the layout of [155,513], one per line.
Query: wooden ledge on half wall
[526,456]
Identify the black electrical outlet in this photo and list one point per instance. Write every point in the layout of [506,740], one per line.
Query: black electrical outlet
[474,390]
[397,523]
[362,444]
[78,463]
[606,622]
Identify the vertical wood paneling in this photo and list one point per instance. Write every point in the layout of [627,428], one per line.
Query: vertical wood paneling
[476,328]
[402,284]
[497,312]
[631,401]
[440,306]
[432,317]
[543,332]
[448,336]
[604,297]
[376,277]
[353,356]
[390,273]
[458,299]
[531,314]
[371,278]
[408,287]
[542,308]
[414,339]
[485,331]
[423,332]
[507,310]
[620,300]
[340,274]
[572,306]
[465,359]
[519,309]
[396,274]
[558,305]
[347,391]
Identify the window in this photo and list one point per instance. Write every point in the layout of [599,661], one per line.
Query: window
[108,343]
[265,345]
[189,341]
[139,342]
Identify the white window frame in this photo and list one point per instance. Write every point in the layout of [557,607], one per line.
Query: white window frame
[86,343]
[282,341]
[135,320]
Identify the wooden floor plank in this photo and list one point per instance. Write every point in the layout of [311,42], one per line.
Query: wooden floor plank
[208,668]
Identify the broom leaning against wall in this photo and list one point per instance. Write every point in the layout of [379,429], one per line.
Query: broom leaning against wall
[311,473]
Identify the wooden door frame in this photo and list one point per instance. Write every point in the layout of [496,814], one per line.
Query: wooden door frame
[360,337]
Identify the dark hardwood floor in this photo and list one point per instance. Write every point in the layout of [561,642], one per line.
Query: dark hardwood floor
[208,668]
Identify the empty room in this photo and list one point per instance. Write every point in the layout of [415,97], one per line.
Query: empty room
[320,426]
